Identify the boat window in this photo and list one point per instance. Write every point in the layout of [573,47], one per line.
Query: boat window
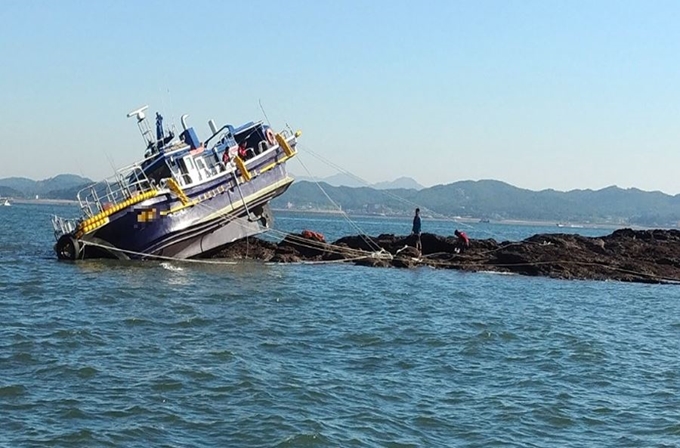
[191,168]
[182,166]
[183,177]
[160,172]
[199,163]
[201,166]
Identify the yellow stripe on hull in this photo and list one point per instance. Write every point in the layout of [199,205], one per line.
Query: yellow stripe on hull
[102,218]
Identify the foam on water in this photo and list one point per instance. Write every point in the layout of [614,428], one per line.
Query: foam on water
[170,266]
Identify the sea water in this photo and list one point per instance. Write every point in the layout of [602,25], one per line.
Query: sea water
[138,354]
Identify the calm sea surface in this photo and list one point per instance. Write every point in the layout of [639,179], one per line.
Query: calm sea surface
[172,354]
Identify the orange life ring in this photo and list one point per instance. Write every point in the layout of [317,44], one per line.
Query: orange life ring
[271,138]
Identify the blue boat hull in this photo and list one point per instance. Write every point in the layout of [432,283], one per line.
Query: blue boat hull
[186,198]
[163,227]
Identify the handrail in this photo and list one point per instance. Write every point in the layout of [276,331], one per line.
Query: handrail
[111,191]
[226,126]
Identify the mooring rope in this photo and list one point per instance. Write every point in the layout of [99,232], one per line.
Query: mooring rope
[305,242]
[152,256]
[367,239]
[398,198]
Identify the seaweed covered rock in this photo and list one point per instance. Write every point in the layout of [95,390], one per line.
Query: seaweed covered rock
[625,255]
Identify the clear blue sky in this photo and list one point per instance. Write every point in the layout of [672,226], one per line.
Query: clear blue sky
[539,94]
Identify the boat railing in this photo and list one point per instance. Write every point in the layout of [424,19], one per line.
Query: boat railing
[63,226]
[125,184]
[226,132]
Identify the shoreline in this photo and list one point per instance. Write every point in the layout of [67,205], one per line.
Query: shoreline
[44,201]
[512,222]
[466,220]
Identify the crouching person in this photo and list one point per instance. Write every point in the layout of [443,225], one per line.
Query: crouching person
[463,242]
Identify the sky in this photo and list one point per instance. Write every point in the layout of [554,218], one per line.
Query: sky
[539,94]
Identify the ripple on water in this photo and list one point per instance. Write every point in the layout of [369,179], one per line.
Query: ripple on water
[166,385]
[12,391]
[138,322]
[22,358]
[222,355]
[303,440]
[80,437]
[73,413]
[202,376]
[192,322]
[128,411]
[87,372]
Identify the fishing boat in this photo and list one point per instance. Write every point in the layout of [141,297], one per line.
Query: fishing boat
[185,198]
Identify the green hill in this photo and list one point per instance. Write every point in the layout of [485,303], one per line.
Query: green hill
[490,199]
[63,186]
[483,199]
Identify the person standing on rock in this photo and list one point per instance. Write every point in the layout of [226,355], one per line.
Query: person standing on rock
[415,230]
[463,240]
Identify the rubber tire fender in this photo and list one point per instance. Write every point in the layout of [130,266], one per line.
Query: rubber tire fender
[67,247]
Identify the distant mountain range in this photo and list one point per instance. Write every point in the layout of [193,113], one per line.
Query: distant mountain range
[63,186]
[494,200]
[484,199]
[345,180]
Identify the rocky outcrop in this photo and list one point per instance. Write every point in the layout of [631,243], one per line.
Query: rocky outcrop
[651,256]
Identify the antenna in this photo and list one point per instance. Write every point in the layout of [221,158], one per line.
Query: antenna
[264,113]
[172,111]
[110,159]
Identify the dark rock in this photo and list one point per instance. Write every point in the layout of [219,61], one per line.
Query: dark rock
[285,258]
[248,248]
[306,247]
[650,256]
[407,251]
